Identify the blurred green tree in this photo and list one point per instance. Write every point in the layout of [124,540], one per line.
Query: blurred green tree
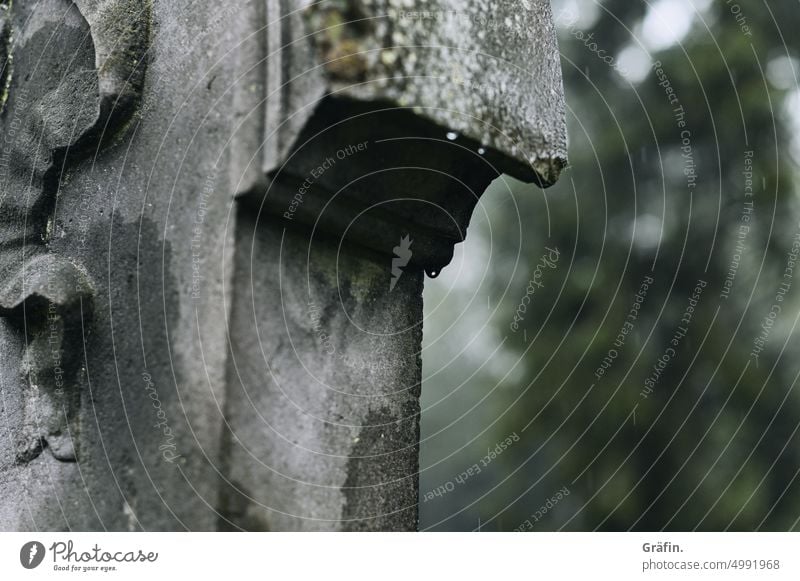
[683,169]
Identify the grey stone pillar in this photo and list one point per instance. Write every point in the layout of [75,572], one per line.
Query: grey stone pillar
[357,170]
[215,221]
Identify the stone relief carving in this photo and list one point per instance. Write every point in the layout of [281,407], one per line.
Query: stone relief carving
[73,74]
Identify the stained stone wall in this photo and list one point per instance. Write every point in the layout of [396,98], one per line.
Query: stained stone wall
[148,377]
[324,400]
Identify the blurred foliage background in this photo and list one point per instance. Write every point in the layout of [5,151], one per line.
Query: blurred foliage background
[714,446]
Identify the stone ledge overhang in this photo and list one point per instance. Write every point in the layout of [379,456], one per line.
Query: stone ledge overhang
[446,97]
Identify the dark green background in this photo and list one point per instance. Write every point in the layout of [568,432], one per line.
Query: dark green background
[715,446]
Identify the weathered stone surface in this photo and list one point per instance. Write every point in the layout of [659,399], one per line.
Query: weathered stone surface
[349,175]
[152,377]
[490,74]
[98,215]
[325,378]
[488,71]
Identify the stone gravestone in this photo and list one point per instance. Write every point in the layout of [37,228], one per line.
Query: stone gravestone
[216,223]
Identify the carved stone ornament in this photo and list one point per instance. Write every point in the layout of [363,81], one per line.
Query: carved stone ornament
[73,72]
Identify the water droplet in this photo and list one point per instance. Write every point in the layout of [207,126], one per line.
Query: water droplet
[452,136]
[432,273]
